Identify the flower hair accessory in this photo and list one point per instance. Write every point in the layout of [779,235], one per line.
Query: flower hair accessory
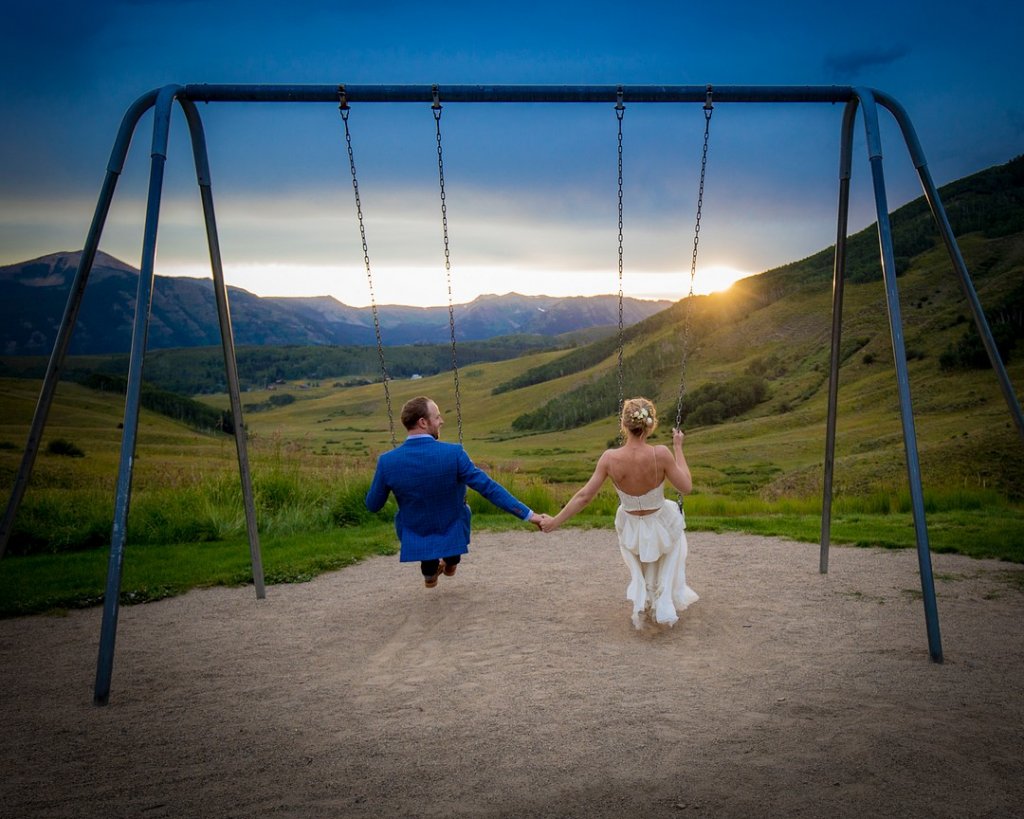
[643,416]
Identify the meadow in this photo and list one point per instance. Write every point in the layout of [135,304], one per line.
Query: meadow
[758,359]
[312,460]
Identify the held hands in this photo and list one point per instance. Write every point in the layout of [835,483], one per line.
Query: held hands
[542,522]
[539,520]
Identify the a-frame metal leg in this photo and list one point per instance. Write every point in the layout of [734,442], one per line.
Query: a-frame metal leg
[902,376]
[143,304]
[838,276]
[227,340]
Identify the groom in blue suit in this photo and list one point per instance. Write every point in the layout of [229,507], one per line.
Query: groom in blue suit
[429,480]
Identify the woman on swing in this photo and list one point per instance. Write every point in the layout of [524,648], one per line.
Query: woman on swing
[651,529]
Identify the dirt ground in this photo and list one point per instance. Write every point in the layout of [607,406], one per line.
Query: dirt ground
[519,688]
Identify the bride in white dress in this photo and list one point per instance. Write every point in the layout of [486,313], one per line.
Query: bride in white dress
[651,528]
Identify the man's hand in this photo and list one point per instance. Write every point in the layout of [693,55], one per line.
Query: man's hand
[539,520]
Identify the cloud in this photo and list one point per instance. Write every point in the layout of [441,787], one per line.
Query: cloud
[848,65]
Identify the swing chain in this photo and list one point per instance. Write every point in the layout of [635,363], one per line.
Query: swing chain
[447,259]
[620,110]
[345,110]
[708,111]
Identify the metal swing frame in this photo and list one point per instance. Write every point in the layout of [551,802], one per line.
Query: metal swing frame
[162,101]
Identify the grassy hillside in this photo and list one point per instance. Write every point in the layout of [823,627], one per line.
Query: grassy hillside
[313,442]
[201,369]
[963,424]
[965,435]
[773,329]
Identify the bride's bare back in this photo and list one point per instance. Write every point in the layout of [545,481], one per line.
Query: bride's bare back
[635,469]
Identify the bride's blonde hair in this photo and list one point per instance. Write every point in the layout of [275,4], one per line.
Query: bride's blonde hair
[639,416]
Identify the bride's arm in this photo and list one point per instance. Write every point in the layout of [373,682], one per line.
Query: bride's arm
[582,497]
[676,469]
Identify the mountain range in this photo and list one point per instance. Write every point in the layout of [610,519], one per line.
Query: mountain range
[33,295]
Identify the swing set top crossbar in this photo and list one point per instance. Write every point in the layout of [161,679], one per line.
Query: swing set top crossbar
[517,93]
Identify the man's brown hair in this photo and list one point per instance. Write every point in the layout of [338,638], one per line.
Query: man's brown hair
[414,409]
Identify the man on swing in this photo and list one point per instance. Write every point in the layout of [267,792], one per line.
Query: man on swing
[429,480]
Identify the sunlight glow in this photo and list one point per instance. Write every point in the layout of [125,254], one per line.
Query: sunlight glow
[716,278]
[427,286]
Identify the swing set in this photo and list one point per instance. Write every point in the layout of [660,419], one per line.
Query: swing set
[161,100]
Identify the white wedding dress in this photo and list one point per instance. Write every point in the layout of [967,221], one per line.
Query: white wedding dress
[654,548]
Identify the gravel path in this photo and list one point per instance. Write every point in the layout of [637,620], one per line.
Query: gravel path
[520,688]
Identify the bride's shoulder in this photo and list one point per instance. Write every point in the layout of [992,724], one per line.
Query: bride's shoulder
[661,451]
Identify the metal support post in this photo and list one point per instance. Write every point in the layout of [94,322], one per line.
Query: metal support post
[143,304]
[924,559]
[838,274]
[227,338]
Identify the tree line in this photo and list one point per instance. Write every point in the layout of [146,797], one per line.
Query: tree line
[180,408]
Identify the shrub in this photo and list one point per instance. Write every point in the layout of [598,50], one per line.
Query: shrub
[768,367]
[278,400]
[179,407]
[969,353]
[711,412]
[348,505]
[62,446]
[51,521]
[276,489]
[714,403]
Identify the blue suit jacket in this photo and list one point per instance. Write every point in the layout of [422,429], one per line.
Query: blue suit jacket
[429,480]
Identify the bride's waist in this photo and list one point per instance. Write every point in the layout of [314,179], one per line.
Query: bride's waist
[643,510]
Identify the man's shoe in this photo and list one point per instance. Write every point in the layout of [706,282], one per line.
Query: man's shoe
[449,570]
[431,580]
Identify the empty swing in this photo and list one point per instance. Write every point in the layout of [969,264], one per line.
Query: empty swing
[344,110]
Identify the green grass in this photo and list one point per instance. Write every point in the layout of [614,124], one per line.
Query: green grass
[983,533]
[54,583]
[979,534]
[186,527]
[312,458]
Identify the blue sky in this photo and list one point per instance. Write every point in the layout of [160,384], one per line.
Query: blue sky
[530,189]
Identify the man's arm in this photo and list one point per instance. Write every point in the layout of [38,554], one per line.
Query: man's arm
[477,479]
[378,494]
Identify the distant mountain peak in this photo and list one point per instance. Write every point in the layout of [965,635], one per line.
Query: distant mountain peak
[56,269]
[33,295]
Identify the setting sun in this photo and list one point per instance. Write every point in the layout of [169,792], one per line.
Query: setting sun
[716,278]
